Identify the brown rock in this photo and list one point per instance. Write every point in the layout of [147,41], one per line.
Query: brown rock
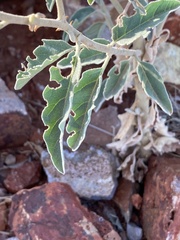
[3,216]
[161,199]
[173,24]
[103,126]
[136,200]
[122,197]
[14,125]
[53,211]
[26,175]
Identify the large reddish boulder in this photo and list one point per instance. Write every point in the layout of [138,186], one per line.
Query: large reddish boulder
[161,199]
[53,211]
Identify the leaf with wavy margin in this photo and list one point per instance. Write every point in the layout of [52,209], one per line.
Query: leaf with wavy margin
[85,94]
[139,25]
[46,54]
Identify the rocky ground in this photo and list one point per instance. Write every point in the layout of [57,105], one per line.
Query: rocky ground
[92,201]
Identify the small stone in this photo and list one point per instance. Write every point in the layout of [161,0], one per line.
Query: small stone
[53,211]
[161,199]
[136,201]
[24,176]
[134,232]
[91,173]
[10,159]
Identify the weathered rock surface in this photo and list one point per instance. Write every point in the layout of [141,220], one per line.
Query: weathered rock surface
[91,173]
[26,175]
[15,124]
[103,126]
[167,62]
[161,199]
[3,216]
[53,211]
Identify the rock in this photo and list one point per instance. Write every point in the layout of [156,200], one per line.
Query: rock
[167,62]
[103,126]
[25,175]
[53,211]
[15,124]
[161,199]
[3,216]
[122,197]
[136,200]
[134,232]
[91,173]
[173,24]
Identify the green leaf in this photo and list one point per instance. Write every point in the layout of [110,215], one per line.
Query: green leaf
[46,54]
[100,99]
[95,30]
[139,25]
[85,93]
[90,2]
[87,56]
[55,115]
[153,86]
[116,81]
[78,18]
[50,4]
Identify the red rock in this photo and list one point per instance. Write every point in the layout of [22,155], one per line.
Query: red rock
[173,24]
[122,197]
[26,175]
[53,211]
[161,199]
[3,216]
[136,200]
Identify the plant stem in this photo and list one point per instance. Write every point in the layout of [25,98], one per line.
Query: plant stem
[65,26]
[117,6]
[105,13]
[60,10]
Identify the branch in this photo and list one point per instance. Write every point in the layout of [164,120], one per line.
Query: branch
[60,10]
[37,20]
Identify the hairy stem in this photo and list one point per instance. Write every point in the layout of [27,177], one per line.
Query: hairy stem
[65,26]
[60,10]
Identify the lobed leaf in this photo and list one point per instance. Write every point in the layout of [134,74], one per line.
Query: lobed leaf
[153,86]
[139,25]
[46,54]
[116,81]
[87,56]
[55,114]
[85,93]
[50,4]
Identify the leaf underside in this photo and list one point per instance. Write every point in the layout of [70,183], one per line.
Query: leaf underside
[153,86]
[139,25]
